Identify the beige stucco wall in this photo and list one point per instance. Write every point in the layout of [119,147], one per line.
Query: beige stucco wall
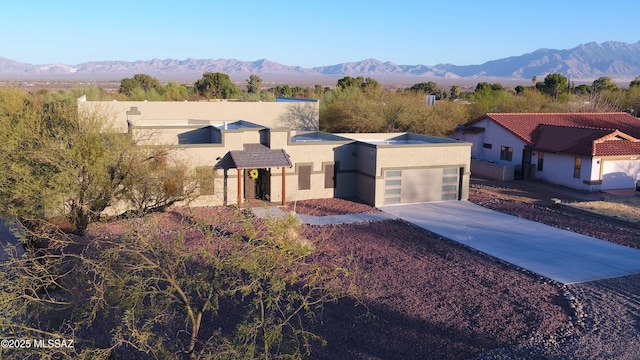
[292,115]
[186,128]
[317,155]
[424,156]
[360,170]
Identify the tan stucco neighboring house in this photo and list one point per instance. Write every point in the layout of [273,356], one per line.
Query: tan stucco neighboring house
[273,152]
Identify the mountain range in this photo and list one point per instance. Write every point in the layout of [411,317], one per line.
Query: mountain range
[586,62]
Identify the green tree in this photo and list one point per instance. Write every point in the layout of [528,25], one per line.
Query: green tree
[352,110]
[143,82]
[582,90]
[555,84]
[631,100]
[359,82]
[635,82]
[127,86]
[61,165]
[429,88]
[178,92]
[147,82]
[282,91]
[604,83]
[497,87]
[455,92]
[483,86]
[217,86]
[318,90]
[34,173]
[254,82]
[527,100]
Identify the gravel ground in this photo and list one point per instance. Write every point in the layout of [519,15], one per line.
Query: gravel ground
[425,297]
[425,307]
[324,207]
[609,309]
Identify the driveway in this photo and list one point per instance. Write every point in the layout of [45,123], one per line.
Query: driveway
[561,255]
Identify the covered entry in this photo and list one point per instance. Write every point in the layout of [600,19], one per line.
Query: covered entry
[421,185]
[254,165]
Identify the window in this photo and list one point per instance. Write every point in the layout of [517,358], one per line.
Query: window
[506,153]
[329,176]
[540,160]
[486,146]
[577,167]
[304,177]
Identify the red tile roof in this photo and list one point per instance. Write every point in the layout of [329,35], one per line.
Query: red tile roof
[567,139]
[577,133]
[617,148]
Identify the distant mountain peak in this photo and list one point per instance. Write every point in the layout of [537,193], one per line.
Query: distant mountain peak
[618,60]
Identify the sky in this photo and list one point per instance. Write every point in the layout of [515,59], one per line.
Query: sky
[306,33]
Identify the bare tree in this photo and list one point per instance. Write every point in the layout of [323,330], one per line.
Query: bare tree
[301,116]
[157,288]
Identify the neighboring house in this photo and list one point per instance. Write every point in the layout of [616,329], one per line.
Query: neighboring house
[273,152]
[589,151]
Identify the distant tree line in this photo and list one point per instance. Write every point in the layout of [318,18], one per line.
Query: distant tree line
[363,104]
[212,85]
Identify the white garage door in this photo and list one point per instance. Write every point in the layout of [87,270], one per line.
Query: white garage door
[620,174]
[421,185]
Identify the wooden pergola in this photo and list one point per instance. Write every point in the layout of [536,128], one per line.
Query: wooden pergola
[258,156]
[284,185]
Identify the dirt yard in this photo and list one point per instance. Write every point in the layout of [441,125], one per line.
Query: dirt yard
[323,207]
[429,298]
[610,308]
[626,208]
[426,297]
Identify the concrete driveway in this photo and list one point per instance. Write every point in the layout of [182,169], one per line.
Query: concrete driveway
[558,254]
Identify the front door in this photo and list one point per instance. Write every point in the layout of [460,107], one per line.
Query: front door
[526,164]
[257,184]
[250,180]
[263,185]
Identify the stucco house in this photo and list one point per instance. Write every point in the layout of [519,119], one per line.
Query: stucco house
[588,151]
[274,152]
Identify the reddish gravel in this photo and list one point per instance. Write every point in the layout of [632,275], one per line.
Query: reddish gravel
[429,298]
[324,207]
[425,297]
[419,302]
[608,309]
[490,197]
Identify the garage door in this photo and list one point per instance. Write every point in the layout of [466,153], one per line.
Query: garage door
[421,185]
[620,174]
